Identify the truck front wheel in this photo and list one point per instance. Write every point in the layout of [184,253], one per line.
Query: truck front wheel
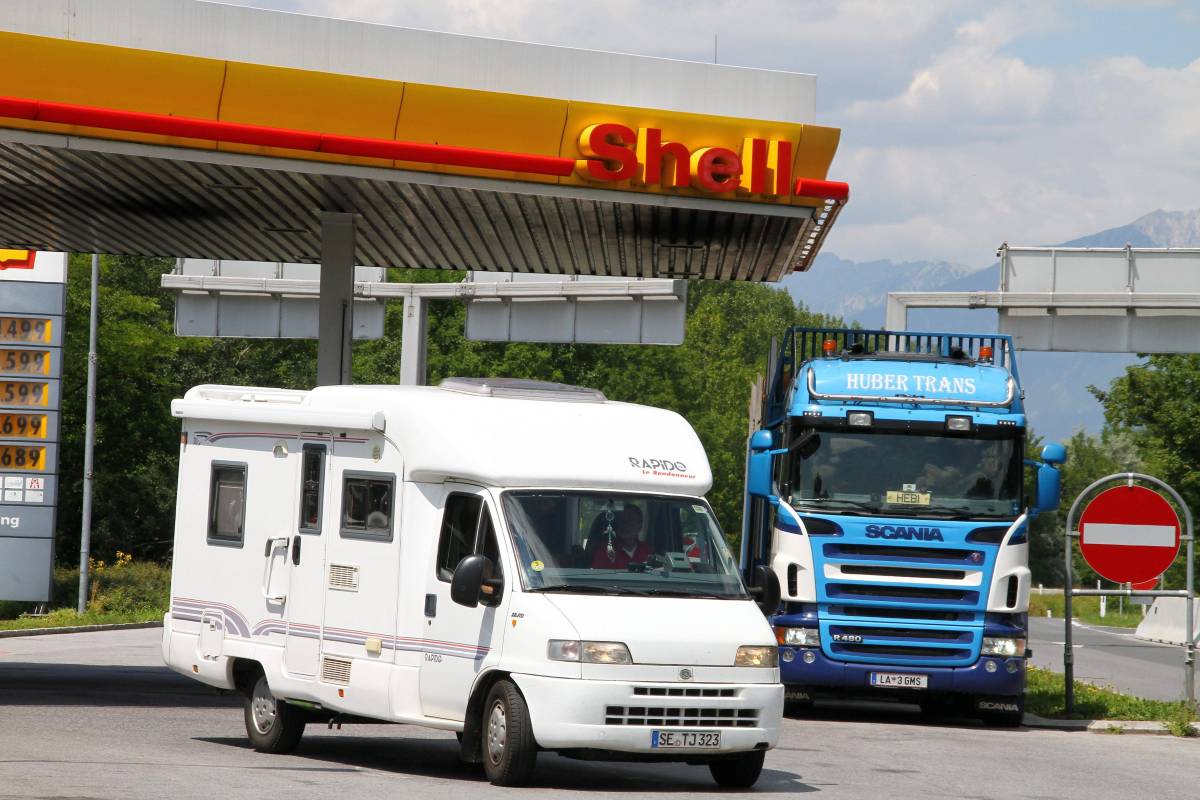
[739,772]
[272,725]
[509,749]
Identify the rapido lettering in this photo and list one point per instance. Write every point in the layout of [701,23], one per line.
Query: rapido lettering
[613,152]
[657,464]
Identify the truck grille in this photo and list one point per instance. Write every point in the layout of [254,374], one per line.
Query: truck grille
[892,602]
[667,717]
[901,643]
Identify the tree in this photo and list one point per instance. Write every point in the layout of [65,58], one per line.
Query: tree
[143,366]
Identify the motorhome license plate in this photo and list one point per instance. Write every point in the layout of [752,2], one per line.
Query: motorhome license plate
[696,739]
[899,680]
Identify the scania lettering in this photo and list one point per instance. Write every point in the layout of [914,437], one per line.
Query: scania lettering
[885,489]
[358,551]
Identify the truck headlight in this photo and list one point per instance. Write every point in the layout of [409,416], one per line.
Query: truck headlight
[588,652]
[798,637]
[1002,647]
[754,655]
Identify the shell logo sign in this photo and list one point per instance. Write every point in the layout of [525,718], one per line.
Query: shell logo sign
[614,153]
[17,259]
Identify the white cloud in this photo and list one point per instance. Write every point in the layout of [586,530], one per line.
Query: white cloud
[954,138]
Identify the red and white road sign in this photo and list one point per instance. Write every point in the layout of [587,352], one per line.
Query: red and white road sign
[1129,534]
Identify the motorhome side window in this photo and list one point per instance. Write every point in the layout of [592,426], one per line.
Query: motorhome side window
[312,473]
[460,524]
[367,502]
[227,503]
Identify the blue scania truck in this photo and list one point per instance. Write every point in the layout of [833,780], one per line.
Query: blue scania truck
[886,489]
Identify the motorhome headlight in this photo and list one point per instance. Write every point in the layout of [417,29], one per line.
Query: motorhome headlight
[588,652]
[1003,647]
[756,655]
[798,637]
[859,419]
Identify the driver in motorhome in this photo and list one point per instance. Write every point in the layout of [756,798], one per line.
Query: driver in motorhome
[625,547]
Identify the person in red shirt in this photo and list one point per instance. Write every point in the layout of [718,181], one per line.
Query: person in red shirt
[626,547]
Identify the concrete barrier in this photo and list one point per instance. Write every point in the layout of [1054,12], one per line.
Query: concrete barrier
[1164,621]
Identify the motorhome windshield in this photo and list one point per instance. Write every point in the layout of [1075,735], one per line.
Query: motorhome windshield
[606,543]
[906,474]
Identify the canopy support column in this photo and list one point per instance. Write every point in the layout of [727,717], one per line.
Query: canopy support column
[335,326]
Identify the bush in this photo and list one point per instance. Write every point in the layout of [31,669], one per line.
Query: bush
[121,587]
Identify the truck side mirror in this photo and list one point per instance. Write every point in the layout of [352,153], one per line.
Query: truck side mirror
[1049,488]
[1054,453]
[471,576]
[765,590]
[758,468]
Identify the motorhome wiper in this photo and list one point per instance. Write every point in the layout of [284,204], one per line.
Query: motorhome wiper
[656,592]
[576,588]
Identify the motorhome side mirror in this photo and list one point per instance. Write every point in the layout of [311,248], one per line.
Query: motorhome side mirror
[1054,453]
[758,467]
[765,590]
[470,576]
[1049,488]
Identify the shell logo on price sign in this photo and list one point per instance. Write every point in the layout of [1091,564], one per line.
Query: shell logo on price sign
[17,259]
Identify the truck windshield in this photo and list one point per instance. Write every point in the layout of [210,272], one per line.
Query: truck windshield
[906,474]
[626,544]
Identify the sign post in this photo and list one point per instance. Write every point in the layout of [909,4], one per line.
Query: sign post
[32,311]
[1131,534]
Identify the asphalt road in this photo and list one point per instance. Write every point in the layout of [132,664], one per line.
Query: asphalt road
[1110,657]
[94,715]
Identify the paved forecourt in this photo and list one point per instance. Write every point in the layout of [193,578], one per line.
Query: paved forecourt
[95,715]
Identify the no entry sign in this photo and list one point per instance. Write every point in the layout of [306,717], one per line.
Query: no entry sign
[1129,534]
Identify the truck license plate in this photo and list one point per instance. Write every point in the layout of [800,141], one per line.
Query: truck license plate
[697,739]
[899,680]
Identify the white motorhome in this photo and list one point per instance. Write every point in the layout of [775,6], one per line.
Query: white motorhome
[527,564]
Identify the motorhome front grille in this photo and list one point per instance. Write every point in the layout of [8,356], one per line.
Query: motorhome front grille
[335,670]
[344,577]
[666,717]
[680,691]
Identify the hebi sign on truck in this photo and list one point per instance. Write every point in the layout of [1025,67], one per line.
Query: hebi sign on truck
[527,564]
[886,491]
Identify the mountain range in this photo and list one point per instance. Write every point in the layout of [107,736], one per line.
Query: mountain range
[1057,398]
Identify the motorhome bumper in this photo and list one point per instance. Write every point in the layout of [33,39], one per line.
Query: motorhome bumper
[619,716]
[824,672]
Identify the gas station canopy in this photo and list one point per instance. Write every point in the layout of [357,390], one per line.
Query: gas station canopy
[191,129]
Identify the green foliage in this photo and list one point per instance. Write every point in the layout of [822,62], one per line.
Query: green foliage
[1044,696]
[1121,612]
[1157,405]
[123,590]
[1088,458]
[143,366]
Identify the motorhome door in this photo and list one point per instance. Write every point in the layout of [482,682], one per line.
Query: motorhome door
[457,638]
[306,562]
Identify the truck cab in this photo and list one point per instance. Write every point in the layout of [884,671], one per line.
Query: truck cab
[886,489]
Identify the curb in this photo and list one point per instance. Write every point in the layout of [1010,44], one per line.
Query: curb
[1034,721]
[1124,726]
[121,626]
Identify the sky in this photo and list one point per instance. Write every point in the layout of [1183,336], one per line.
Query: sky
[964,123]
